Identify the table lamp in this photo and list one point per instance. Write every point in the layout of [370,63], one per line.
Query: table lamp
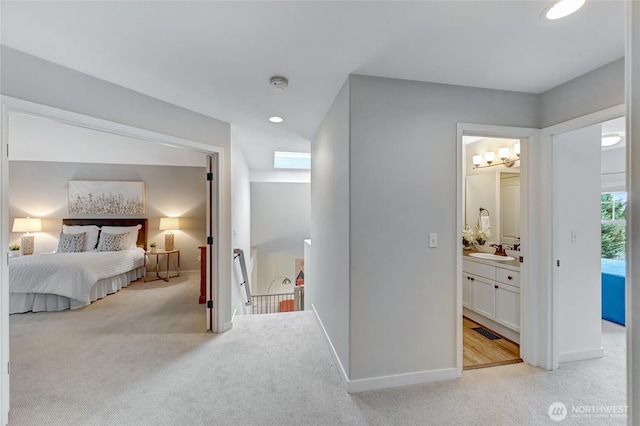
[169,224]
[27,224]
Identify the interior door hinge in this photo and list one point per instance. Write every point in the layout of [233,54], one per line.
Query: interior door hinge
[558,262]
[209,304]
[209,240]
[521,259]
[209,176]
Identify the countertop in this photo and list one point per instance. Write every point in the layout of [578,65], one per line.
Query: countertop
[513,265]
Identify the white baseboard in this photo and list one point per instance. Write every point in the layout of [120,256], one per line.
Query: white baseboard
[581,355]
[334,354]
[384,382]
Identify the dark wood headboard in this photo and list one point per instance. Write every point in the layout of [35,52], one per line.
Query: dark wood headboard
[142,233]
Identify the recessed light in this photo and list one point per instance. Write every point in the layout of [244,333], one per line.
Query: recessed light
[276,119]
[611,139]
[562,8]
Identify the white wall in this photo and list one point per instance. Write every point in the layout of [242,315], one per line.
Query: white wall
[329,292]
[40,189]
[30,78]
[241,223]
[577,205]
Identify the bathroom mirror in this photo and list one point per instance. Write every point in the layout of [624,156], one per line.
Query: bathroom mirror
[499,193]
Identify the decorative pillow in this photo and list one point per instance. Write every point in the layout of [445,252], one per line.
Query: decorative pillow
[112,242]
[71,243]
[132,231]
[92,231]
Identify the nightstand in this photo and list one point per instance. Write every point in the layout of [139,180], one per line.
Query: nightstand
[157,254]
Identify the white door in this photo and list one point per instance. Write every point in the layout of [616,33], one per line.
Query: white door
[509,208]
[508,306]
[576,234]
[484,298]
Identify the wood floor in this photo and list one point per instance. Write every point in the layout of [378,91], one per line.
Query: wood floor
[481,352]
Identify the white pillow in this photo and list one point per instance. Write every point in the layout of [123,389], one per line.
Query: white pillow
[91,241]
[131,230]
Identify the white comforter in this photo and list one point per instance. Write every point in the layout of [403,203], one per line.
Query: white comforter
[69,274]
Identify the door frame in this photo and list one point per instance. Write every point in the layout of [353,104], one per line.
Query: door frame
[530,332]
[214,315]
[551,246]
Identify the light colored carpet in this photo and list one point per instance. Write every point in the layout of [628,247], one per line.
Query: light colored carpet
[140,357]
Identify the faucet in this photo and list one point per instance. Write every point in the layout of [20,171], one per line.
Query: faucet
[499,250]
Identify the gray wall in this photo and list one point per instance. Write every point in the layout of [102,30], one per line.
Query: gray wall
[383,178]
[40,189]
[403,186]
[329,294]
[594,91]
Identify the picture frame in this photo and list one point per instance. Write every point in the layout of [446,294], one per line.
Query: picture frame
[93,197]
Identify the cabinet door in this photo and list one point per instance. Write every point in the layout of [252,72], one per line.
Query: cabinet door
[508,306]
[467,291]
[484,297]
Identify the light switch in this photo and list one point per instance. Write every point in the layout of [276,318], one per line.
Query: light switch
[433,240]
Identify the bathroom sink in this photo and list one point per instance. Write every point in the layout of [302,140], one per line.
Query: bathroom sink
[490,256]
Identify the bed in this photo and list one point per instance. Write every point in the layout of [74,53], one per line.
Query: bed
[72,280]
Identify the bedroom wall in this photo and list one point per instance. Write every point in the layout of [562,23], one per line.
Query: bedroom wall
[39,189]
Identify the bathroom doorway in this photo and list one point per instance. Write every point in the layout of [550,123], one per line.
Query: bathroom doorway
[492,242]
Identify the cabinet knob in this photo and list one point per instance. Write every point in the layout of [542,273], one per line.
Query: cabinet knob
[509,277]
[496,286]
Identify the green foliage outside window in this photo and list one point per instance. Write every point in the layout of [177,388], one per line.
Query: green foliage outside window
[614,211]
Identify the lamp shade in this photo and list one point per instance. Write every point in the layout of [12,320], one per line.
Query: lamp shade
[27,224]
[169,223]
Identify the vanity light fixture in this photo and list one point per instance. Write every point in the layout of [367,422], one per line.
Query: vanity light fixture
[611,139]
[489,157]
[561,8]
[503,153]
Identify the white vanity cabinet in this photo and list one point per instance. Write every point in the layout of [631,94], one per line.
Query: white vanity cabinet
[493,292]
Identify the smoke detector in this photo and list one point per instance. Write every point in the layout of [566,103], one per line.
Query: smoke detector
[279,83]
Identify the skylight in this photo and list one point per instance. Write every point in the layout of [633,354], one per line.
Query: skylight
[292,160]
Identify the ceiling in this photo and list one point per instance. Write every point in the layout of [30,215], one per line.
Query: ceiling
[217,58]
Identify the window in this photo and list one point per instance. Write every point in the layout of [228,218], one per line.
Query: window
[614,223]
[292,160]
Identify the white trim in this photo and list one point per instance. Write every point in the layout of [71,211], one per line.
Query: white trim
[582,355]
[532,333]
[384,382]
[548,252]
